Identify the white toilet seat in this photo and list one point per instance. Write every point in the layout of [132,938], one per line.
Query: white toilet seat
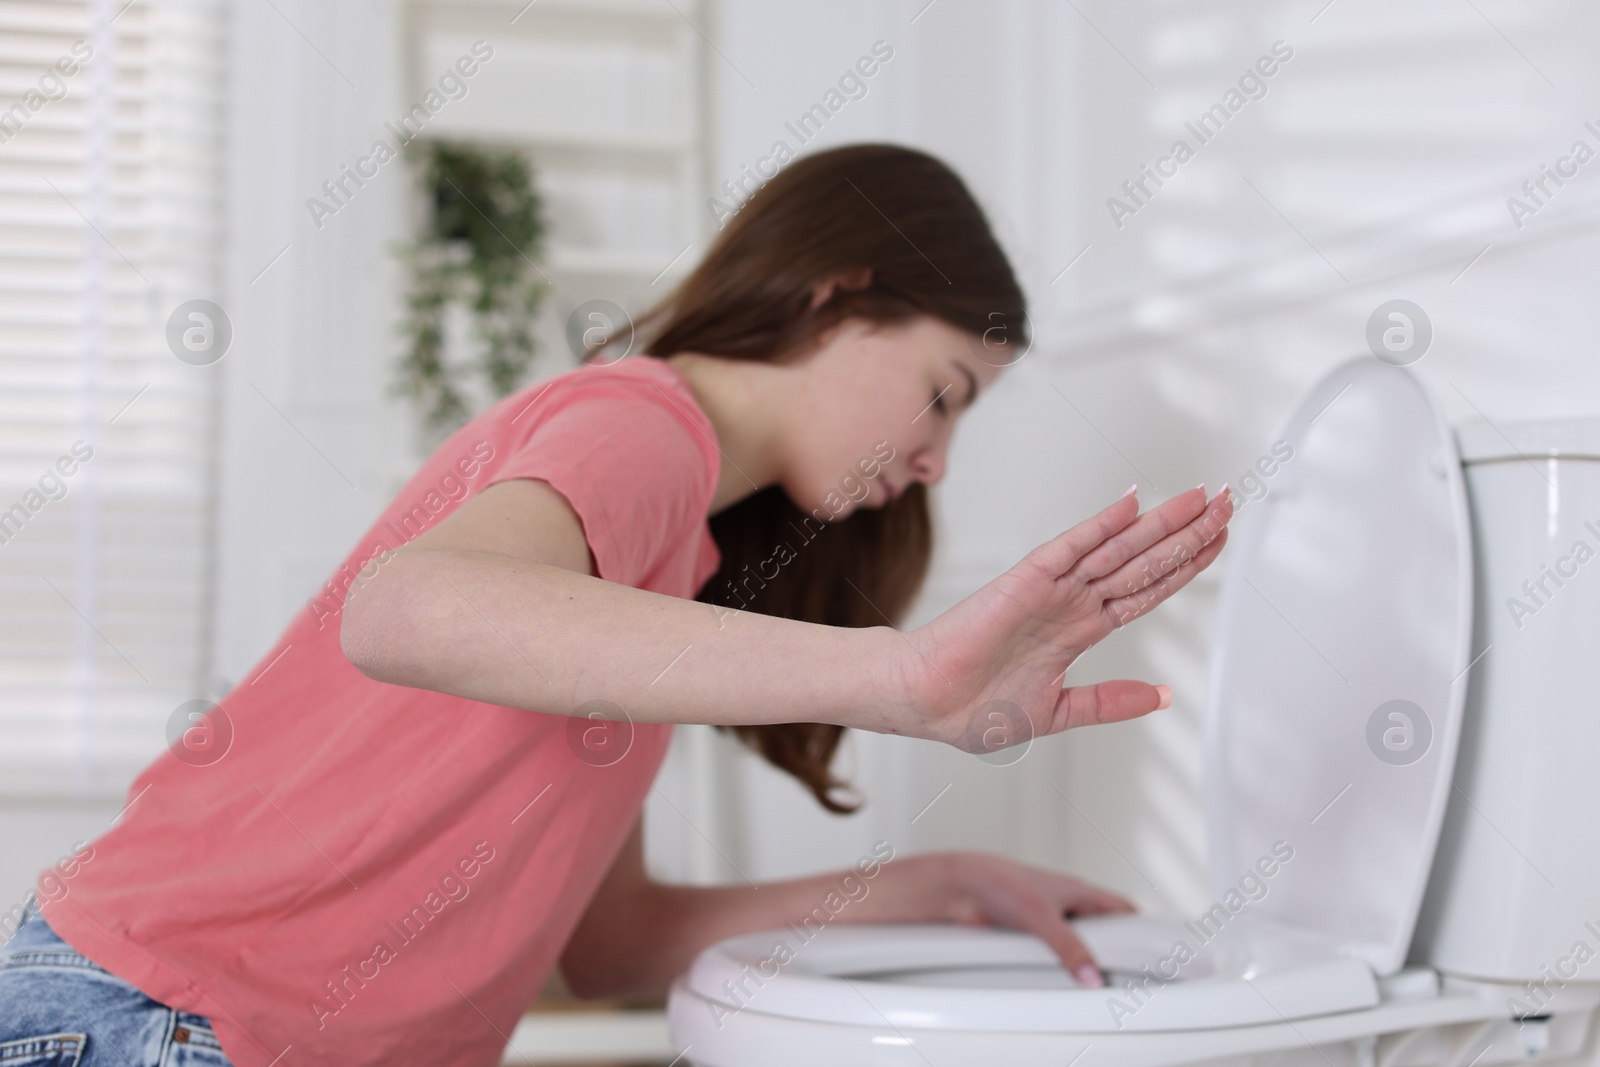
[981,979]
[707,1037]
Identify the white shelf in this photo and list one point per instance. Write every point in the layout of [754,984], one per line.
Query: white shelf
[631,9]
[590,1037]
[619,142]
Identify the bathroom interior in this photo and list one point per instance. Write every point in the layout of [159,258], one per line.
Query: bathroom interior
[1195,314]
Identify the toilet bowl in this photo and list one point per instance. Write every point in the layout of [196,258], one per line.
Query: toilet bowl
[1375,700]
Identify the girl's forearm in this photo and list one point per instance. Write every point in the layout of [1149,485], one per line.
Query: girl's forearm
[509,631]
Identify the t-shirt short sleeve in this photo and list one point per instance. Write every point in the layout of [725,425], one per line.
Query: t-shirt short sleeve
[632,459]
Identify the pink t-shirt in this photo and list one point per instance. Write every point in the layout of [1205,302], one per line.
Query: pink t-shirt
[374,874]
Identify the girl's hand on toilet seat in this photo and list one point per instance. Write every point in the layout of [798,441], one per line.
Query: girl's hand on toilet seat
[983,889]
[974,674]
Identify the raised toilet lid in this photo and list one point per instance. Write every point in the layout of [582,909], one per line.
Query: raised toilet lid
[1339,669]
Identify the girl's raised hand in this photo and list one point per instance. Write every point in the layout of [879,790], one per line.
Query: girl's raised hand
[987,673]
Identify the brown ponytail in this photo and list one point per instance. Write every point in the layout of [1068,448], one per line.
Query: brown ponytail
[910,220]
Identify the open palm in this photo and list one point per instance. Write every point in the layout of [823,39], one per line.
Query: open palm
[987,673]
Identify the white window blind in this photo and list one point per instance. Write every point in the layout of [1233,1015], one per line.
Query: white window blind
[110,185]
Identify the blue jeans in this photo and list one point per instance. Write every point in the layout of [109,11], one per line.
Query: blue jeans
[58,1009]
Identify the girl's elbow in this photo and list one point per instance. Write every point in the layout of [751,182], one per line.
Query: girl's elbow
[372,627]
[361,642]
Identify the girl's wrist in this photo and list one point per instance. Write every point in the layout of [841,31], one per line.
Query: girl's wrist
[955,901]
[881,699]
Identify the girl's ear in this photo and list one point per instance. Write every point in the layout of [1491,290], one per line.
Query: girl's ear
[849,280]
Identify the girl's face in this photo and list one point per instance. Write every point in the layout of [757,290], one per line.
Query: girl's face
[874,406]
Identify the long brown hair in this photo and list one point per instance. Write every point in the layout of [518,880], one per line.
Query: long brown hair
[907,218]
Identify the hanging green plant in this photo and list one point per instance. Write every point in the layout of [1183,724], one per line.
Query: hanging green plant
[477,249]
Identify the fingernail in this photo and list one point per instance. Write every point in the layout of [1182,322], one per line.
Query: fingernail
[1201,487]
[1131,490]
[1089,976]
[1166,697]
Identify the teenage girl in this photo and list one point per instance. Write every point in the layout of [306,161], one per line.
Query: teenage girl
[426,795]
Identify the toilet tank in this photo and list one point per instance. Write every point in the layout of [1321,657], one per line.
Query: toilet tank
[1515,886]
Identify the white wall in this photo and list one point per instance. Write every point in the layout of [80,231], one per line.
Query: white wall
[312,447]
